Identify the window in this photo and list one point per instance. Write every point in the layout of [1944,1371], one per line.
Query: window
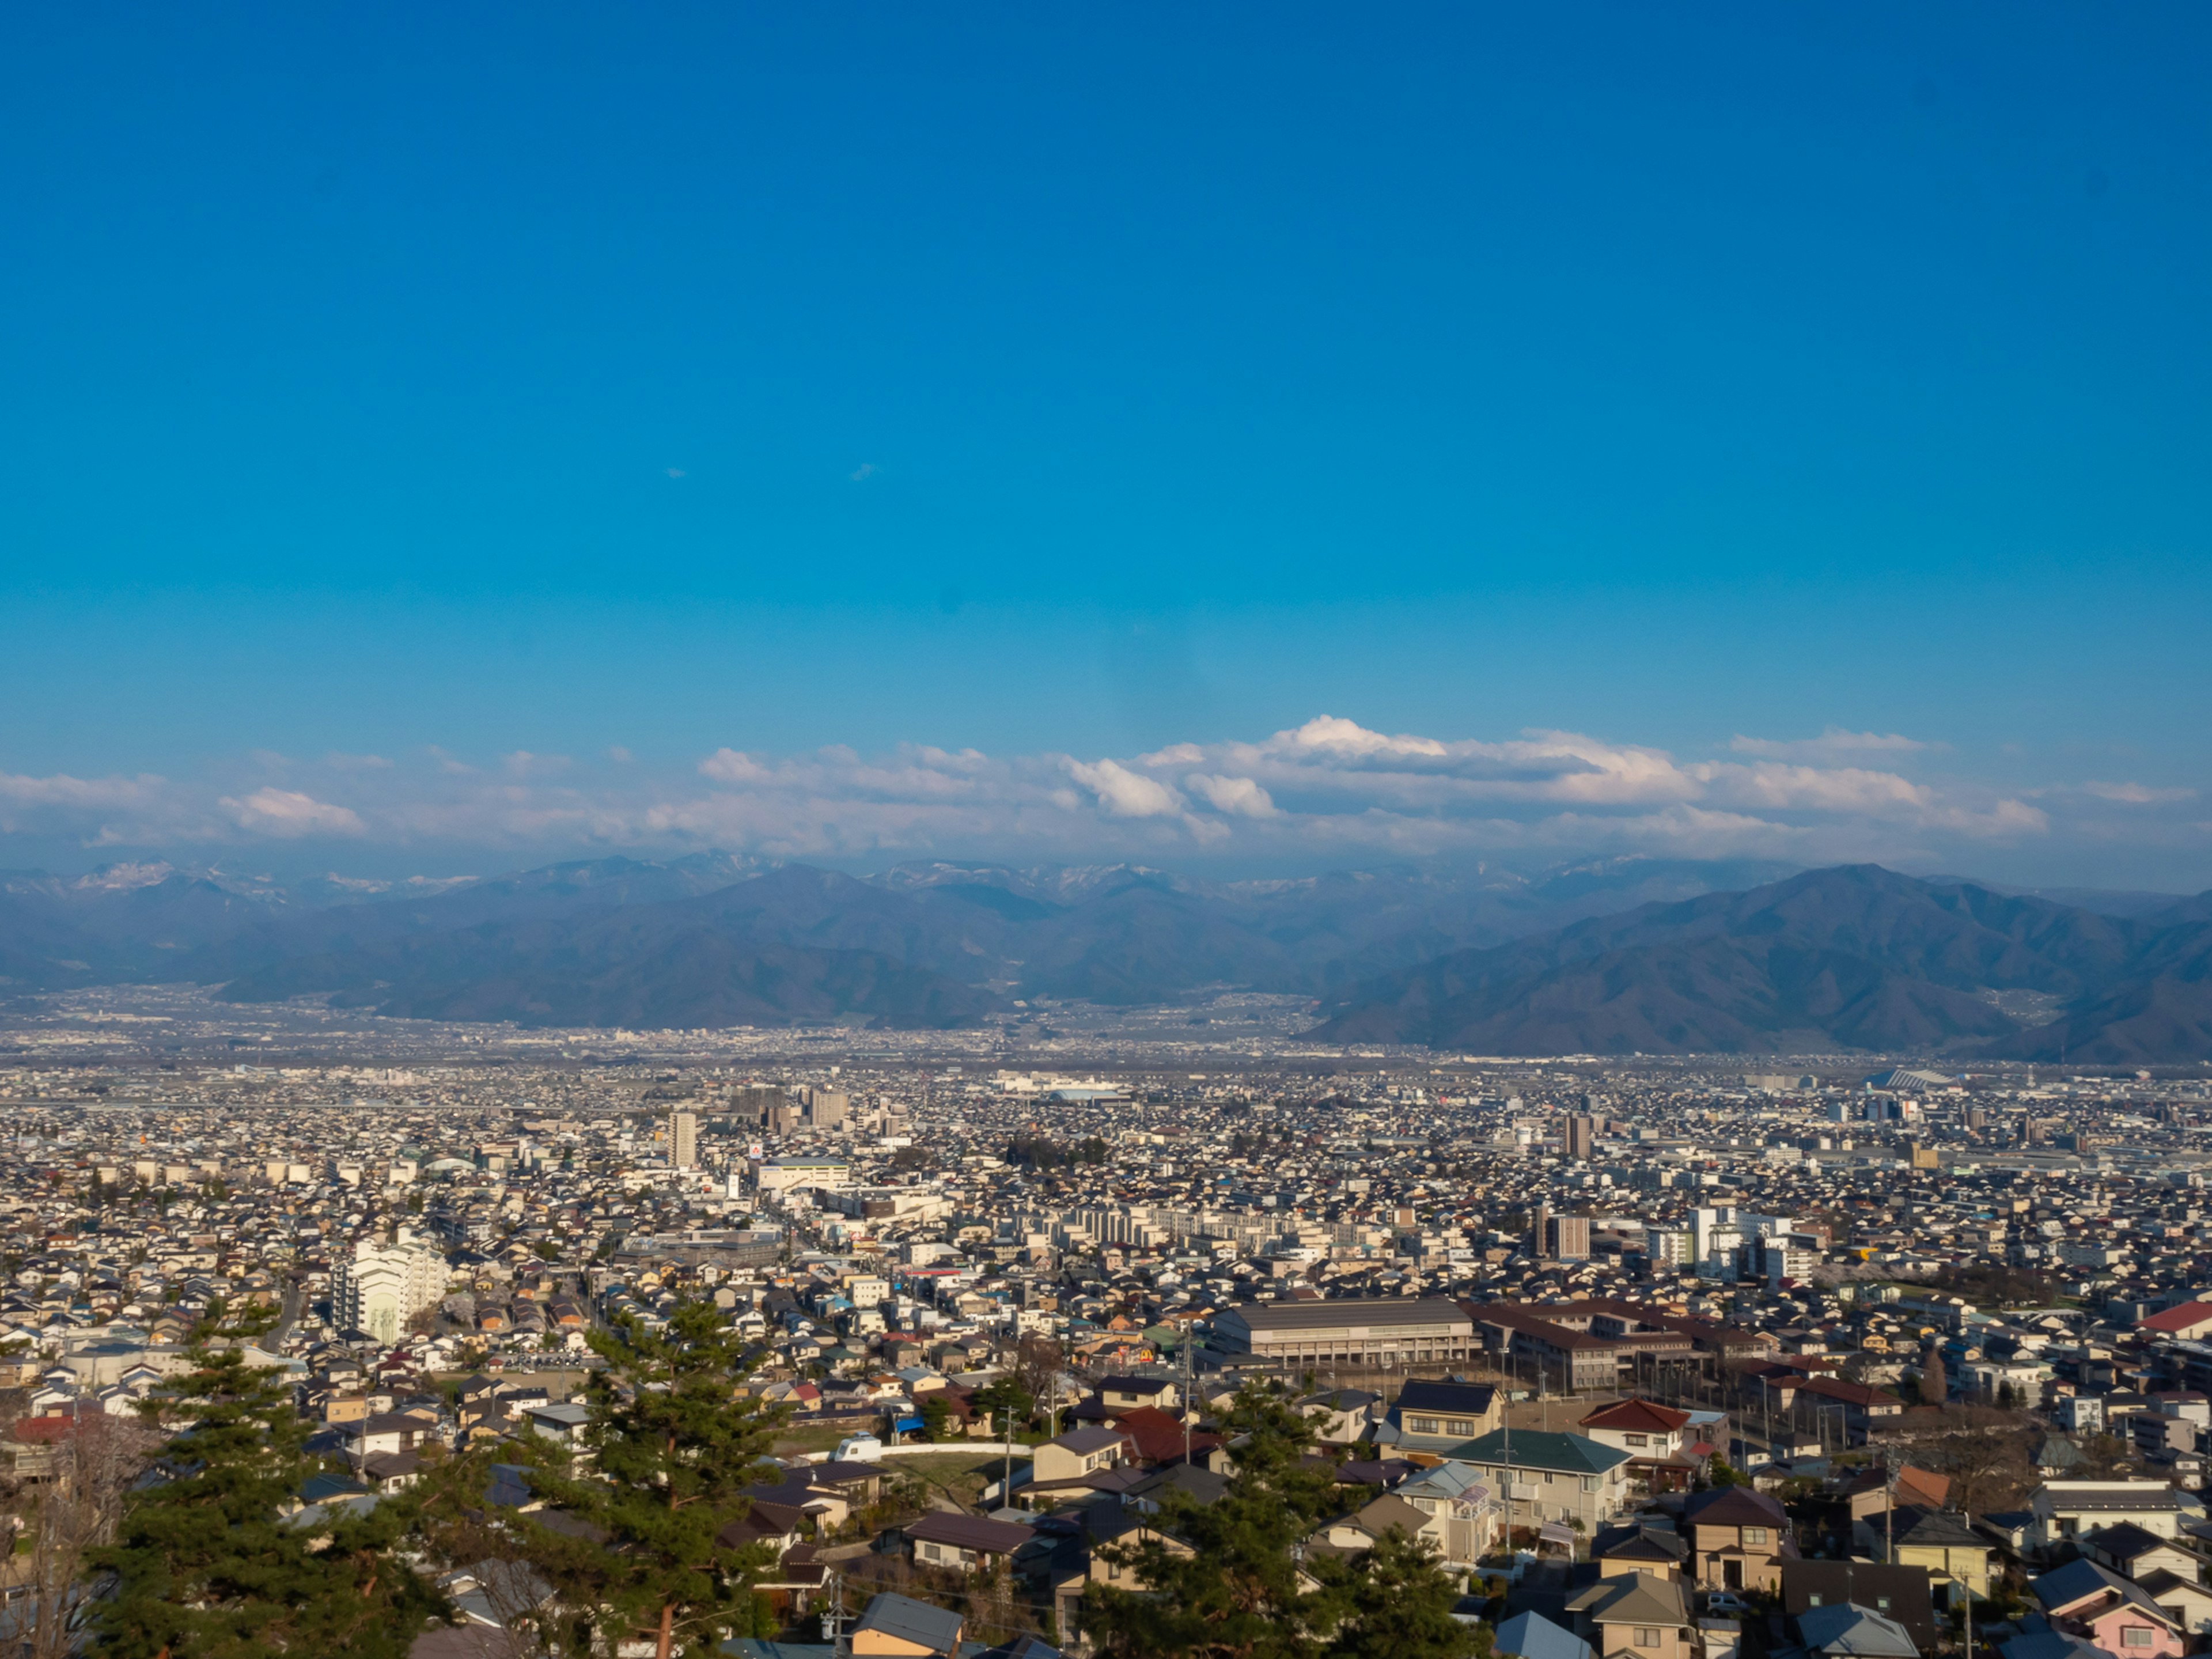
[1754,1534]
[2136,1635]
[1813,1599]
[1589,1483]
[1881,1604]
[1647,1636]
[1462,1425]
[1423,1424]
[1638,1439]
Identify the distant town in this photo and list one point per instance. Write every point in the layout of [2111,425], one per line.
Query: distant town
[1563,1319]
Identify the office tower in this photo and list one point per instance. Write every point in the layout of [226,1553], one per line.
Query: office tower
[826,1109]
[684,1139]
[1581,1135]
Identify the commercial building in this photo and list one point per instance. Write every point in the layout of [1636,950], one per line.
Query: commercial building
[1352,1331]
[684,1139]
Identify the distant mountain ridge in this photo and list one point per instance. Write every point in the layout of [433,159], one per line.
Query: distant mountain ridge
[644,938]
[1856,957]
[1614,955]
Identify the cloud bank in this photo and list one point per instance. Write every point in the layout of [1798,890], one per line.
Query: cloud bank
[1329,789]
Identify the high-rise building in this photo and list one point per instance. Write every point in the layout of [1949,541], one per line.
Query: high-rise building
[1581,1135]
[1567,1238]
[826,1108]
[1540,1239]
[684,1139]
[378,1289]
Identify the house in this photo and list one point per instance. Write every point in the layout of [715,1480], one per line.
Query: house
[968,1542]
[1452,1494]
[1941,1542]
[1532,1636]
[1635,1614]
[1357,1533]
[1436,1416]
[1638,1549]
[903,1628]
[2066,1509]
[1898,1592]
[1655,1436]
[564,1421]
[1124,1393]
[1077,1454]
[2185,1600]
[1554,1477]
[2109,1611]
[1844,1630]
[1738,1539]
[1340,1417]
[2191,1322]
[2132,1550]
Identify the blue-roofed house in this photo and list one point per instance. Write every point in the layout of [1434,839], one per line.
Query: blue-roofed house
[1535,1637]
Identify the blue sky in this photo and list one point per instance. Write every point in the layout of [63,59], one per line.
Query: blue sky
[440,386]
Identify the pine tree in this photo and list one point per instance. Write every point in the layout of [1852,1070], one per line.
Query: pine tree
[1396,1602]
[214,1564]
[669,1452]
[1234,1590]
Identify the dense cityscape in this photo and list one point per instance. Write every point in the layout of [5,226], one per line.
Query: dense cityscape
[1811,1279]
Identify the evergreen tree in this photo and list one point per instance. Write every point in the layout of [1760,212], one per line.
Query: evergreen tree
[1234,1590]
[211,1564]
[936,1417]
[1396,1602]
[669,1451]
[1008,1403]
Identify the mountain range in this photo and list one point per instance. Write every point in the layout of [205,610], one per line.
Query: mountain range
[1621,955]
[1855,957]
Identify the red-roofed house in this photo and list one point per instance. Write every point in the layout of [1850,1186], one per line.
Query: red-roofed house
[2191,1321]
[1159,1436]
[1655,1436]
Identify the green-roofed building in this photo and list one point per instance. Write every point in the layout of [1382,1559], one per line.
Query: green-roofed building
[1555,1477]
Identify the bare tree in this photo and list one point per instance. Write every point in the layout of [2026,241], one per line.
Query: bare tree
[1988,1468]
[1038,1362]
[68,1497]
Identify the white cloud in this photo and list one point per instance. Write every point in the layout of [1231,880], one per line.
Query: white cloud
[2136,795]
[1125,794]
[287,813]
[1833,743]
[1330,789]
[1239,795]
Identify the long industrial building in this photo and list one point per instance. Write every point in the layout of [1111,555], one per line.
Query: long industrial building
[1364,1330]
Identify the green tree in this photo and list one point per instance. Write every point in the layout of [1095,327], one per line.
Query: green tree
[1006,1394]
[1233,1589]
[1396,1602]
[210,1565]
[668,1453]
[936,1415]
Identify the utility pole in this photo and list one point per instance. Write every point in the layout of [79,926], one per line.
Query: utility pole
[1186,1396]
[1505,1418]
